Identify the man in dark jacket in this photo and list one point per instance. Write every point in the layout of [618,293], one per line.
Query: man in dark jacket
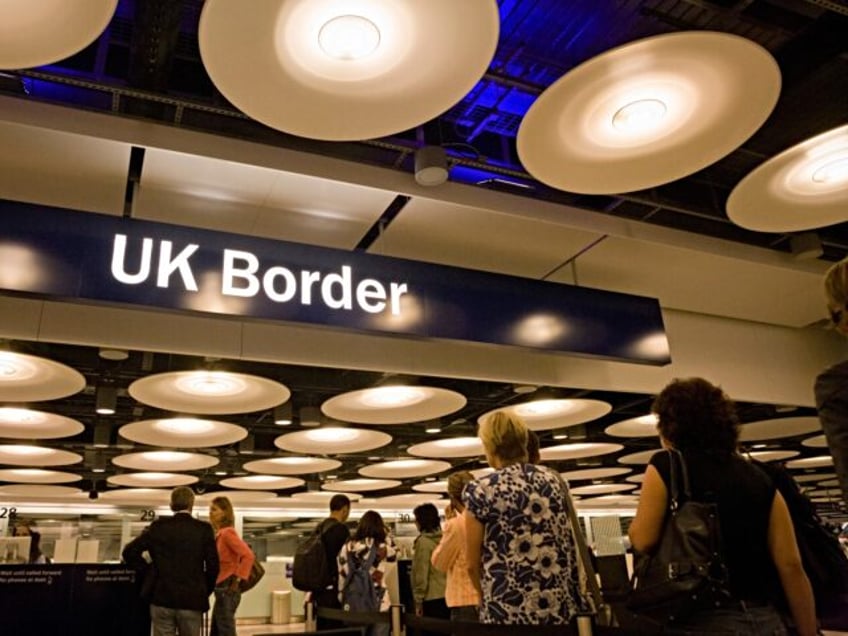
[185,561]
[334,534]
[832,384]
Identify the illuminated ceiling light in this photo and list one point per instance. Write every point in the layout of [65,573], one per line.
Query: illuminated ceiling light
[360,485]
[210,383]
[152,480]
[640,116]
[450,447]
[332,440]
[37,476]
[208,392]
[648,113]
[302,68]
[283,414]
[26,378]
[802,188]
[392,396]
[292,465]
[310,416]
[38,33]
[165,460]
[181,432]
[560,434]
[185,426]
[20,423]
[399,404]
[405,468]
[778,428]
[349,37]
[433,427]
[116,355]
[641,426]
[106,400]
[548,414]
[833,172]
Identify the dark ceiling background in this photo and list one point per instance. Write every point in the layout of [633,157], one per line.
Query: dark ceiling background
[147,65]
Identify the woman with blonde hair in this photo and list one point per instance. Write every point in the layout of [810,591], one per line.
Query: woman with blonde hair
[450,555]
[832,384]
[236,559]
[521,552]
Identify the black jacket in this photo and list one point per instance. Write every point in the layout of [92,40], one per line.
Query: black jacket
[185,559]
[832,402]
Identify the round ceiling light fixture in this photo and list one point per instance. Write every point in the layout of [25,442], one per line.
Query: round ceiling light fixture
[648,112]
[816,441]
[346,71]
[316,496]
[332,440]
[164,460]
[292,465]
[208,392]
[802,188]
[543,415]
[395,404]
[37,490]
[810,462]
[47,31]
[774,456]
[26,378]
[37,476]
[641,426]
[131,496]
[432,486]
[578,450]
[20,423]
[24,455]
[449,447]
[237,496]
[778,428]
[405,468]
[152,480]
[183,432]
[262,482]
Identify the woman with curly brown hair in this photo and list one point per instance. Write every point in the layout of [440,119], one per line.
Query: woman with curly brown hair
[697,419]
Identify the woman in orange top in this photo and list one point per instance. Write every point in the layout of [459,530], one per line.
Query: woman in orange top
[236,560]
[449,556]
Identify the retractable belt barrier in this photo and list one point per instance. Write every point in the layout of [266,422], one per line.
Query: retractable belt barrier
[397,618]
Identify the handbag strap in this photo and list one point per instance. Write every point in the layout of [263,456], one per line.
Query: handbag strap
[676,463]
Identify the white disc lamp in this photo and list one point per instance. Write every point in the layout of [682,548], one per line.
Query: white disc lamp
[38,32]
[802,188]
[345,71]
[649,112]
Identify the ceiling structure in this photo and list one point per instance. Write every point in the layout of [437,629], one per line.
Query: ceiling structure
[673,242]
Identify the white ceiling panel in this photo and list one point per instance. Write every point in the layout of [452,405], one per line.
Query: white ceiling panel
[476,238]
[62,169]
[239,198]
[701,282]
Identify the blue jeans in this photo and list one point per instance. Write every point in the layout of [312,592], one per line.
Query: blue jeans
[170,622]
[224,612]
[741,621]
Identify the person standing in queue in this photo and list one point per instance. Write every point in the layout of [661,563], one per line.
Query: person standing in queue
[236,559]
[522,557]
[831,388]
[334,534]
[450,555]
[186,567]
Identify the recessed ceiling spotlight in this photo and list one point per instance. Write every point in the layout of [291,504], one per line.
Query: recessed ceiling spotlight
[349,37]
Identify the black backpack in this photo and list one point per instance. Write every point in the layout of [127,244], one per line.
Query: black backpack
[311,569]
[824,561]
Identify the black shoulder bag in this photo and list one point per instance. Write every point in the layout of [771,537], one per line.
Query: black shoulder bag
[686,572]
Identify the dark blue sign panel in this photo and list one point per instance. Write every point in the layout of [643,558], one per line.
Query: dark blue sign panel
[68,254]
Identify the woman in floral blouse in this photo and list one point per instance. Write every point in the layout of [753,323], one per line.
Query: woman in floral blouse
[370,530]
[521,551]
